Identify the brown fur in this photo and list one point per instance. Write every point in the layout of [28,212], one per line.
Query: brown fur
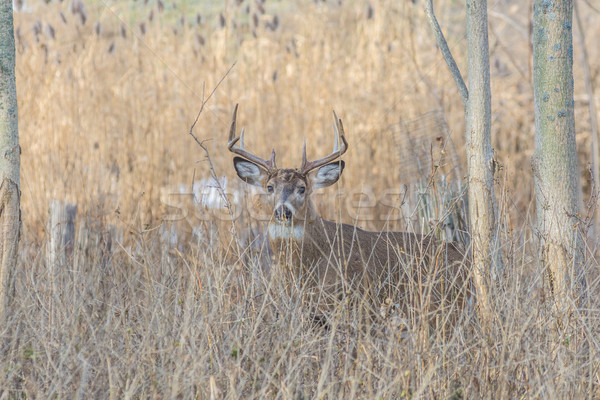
[330,260]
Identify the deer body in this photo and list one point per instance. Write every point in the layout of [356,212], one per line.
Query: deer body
[330,260]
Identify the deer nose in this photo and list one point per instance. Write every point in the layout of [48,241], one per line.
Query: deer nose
[283,213]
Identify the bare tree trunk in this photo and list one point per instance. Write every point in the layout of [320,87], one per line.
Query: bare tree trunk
[483,213]
[10,214]
[554,161]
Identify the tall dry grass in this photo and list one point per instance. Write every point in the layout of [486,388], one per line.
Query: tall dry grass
[148,307]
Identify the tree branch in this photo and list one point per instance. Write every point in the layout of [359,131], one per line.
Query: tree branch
[213,173]
[441,41]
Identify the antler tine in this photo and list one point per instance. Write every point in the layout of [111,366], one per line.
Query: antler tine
[336,133]
[338,130]
[240,150]
[232,128]
[304,161]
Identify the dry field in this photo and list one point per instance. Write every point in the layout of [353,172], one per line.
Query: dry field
[161,295]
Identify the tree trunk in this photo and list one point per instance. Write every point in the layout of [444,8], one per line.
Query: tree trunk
[555,158]
[10,214]
[483,213]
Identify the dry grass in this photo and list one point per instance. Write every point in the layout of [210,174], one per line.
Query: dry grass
[149,308]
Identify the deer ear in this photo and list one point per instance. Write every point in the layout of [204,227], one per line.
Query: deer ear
[249,172]
[328,174]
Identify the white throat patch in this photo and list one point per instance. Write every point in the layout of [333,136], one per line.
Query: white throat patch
[279,231]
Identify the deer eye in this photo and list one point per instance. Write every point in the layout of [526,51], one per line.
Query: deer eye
[270,189]
[301,189]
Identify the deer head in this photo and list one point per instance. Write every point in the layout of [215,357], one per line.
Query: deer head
[289,190]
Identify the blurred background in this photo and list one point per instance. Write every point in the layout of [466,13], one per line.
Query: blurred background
[108,91]
[131,274]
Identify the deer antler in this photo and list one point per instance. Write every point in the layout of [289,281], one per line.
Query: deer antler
[338,131]
[269,165]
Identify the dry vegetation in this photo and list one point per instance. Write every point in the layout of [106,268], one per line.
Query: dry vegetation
[142,306]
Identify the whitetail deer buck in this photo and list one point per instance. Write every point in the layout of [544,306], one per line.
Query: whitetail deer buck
[331,260]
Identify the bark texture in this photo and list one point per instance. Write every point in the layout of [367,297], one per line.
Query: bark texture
[483,213]
[10,215]
[554,162]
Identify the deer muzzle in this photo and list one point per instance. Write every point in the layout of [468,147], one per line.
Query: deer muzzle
[283,214]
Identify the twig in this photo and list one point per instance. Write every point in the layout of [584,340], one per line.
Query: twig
[213,173]
[441,41]
[193,180]
[206,101]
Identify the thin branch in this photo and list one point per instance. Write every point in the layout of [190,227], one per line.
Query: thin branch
[213,173]
[441,41]
[206,101]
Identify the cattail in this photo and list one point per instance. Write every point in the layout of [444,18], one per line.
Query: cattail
[123,31]
[198,19]
[274,75]
[62,17]
[78,8]
[98,28]
[273,24]
[111,47]
[370,11]
[151,15]
[45,50]
[200,39]
[260,8]
[247,9]
[255,19]
[50,31]
[18,5]
[182,20]
[37,29]
[222,20]
[161,6]
[238,2]
[143,28]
